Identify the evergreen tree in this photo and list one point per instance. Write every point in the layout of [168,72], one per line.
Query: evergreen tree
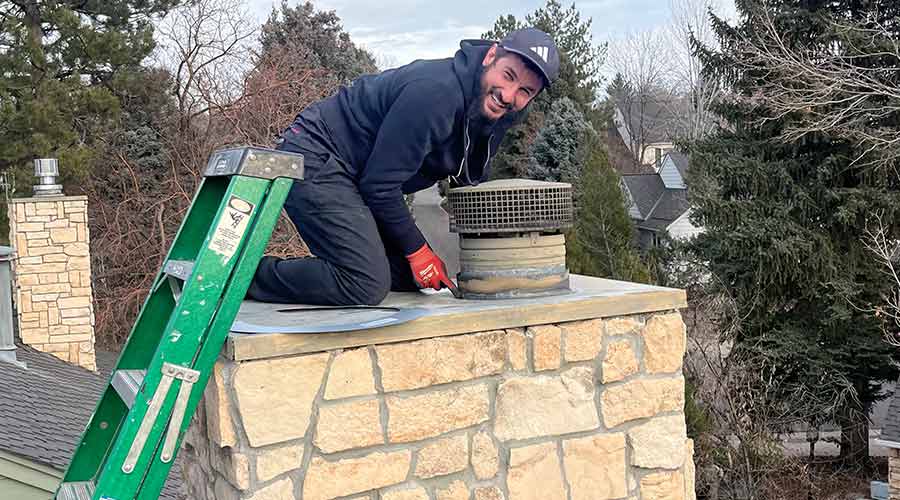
[60,61]
[559,151]
[601,243]
[320,36]
[784,227]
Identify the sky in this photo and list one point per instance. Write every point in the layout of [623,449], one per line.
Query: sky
[400,31]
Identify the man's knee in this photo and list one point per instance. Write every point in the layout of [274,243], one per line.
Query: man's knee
[370,289]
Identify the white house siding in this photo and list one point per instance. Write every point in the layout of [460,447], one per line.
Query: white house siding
[670,175]
[682,228]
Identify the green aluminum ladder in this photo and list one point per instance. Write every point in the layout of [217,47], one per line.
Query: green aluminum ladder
[130,442]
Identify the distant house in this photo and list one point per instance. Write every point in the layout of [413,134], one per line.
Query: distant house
[45,404]
[890,439]
[647,128]
[658,203]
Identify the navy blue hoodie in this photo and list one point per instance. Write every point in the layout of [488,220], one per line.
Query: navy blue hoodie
[405,129]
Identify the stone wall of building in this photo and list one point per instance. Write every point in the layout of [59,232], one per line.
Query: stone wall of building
[586,410]
[52,276]
[894,473]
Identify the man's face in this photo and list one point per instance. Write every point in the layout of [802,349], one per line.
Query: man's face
[507,84]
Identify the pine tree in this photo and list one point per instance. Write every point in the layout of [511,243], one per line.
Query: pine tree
[559,151]
[784,228]
[59,61]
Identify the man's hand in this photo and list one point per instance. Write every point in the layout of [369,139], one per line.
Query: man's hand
[428,269]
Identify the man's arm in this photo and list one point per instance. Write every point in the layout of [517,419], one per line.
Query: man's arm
[420,116]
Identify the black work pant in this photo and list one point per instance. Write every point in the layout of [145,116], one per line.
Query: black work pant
[352,264]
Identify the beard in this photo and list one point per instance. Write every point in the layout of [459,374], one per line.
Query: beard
[477,118]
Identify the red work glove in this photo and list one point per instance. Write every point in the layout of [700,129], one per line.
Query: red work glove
[428,269]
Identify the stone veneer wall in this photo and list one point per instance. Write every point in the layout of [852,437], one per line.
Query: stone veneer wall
[894,473]
[52,276]
[586,410]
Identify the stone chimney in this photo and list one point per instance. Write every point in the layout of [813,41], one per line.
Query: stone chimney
[52,270]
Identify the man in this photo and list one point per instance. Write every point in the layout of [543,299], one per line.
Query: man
[392,134]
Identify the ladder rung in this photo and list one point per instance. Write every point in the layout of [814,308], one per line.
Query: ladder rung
[180,269]
[127,383]
[82,490]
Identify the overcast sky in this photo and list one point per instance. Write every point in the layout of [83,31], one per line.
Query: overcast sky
[400,31]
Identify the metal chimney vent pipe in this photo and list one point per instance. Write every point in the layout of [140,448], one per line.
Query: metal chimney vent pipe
[7,341]
[510,238]
[46,170]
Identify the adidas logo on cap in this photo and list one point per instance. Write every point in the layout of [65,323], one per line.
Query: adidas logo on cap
[541,51]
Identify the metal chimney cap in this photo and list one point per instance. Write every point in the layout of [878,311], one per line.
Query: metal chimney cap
[516,184]
[46,166]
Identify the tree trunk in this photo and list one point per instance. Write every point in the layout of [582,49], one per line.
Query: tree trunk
[854,437]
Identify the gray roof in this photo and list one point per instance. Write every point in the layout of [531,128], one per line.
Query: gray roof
[891,429]
[681,162]
[672,204]
[645,189]
[44,409]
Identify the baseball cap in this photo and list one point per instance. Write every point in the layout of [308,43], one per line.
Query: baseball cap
[537,47]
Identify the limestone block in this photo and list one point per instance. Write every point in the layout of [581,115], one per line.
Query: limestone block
[663,486]
[583,339]
[32,336]
[325,480]
[234,466]
[489,493]
[28,280]
[56,258]
[219,425]
[664,343]
[31,260]
[78,249]
[596,466]
[55,267]
[35,250]
[485,456]
[690,491]
[535,473]
[77,217]
[80,312]
[63,235]
[349,425]
[273,463]
[405,492]
[45,297]
[86,347]
[434,413]
[282,489]
[80,320]
[30,227]
[443,457]
[457,490]
[46,278]
[74,302]
[351,375]
[619,362]
[275,396]
[622,325]
[547,339]
[40,235]
[57,223]
[437,361]
[81,292]
[516,346]
[67,338]
[546,405]
[658,443]
[641,398]
[78,264]
[81,328]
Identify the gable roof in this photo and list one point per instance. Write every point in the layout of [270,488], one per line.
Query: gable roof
[671,205]
[646,190]
[45,406]
[681,162]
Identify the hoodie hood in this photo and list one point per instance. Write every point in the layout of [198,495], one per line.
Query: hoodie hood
[467,66]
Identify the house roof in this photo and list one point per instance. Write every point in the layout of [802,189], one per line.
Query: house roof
[45,406]
[891,429]
[646,190]
[681,162]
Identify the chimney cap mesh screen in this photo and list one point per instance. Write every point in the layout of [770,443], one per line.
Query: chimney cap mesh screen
[514,205]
